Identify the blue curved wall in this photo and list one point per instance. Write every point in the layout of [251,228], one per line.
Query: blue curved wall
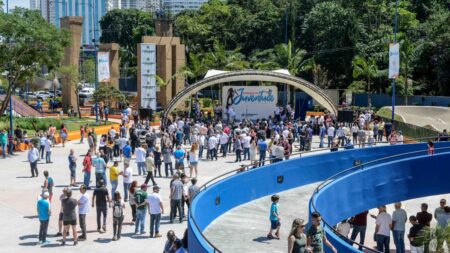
[245,187]
[381,184]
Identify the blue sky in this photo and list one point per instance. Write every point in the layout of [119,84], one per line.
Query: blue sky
[18,3]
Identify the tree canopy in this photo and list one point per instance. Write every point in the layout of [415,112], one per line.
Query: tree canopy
[27,43]
[126,27]
[330,35]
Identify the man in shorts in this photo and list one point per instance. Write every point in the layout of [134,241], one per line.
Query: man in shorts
[69,205]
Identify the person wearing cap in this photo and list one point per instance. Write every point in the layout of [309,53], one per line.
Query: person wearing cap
[155,209]
[140,197]
[44,211]
[297,237]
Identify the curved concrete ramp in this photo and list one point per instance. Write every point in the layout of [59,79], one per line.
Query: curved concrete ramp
[433,116]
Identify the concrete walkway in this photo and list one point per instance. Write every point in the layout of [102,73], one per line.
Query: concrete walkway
[19,193]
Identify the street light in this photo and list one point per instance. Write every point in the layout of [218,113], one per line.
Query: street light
[395,41]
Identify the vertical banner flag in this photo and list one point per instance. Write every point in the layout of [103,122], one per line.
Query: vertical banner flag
[148,87]
[103,67]
[394,60]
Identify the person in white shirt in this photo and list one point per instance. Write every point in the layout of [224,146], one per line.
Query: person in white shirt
[223,141]
[399,137]
[383,229]
[140,153]
[155,209]
[112,132]
[344,228]
[42,141]
[180,124]
[127,179]
[330,133]
[33,157]
[83,210]
[212,147]
[48,150]
[201,143]
[246,145]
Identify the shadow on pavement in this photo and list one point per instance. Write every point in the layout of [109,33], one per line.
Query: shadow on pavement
[28,244]
[25,237]
[262,239]
[103,240]
[31,217]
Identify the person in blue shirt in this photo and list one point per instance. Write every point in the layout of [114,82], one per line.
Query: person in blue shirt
[322,133]
[274,218]
[179,137]
[127,153]
[179,155]
[44,212]
[349,144]
[262,147]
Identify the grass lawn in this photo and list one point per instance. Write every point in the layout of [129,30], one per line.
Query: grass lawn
[32,124]
[387,113]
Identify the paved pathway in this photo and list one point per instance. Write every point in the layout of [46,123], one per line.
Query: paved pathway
[19,194]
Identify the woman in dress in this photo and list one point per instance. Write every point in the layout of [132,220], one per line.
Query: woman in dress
[63,134]
[253,151]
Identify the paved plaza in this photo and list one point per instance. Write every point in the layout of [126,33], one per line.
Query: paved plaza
[20,192]
[246,226]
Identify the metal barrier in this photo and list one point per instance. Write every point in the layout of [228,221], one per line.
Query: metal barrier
[351,170]
[412,131]
[244,168]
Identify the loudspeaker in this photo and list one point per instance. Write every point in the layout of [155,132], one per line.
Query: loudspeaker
[145,113]
[345,116]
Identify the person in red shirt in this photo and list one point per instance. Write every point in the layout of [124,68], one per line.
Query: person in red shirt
[82,133]
[359,223]
[430,148]
[87,167]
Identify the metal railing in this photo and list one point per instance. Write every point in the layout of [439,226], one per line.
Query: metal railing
[244,168]
[410,130]
[353,169]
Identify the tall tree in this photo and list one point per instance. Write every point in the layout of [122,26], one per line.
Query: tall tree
[28,42]
[367,69]
[126,27]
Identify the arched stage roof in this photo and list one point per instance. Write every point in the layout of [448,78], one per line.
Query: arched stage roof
[279,76]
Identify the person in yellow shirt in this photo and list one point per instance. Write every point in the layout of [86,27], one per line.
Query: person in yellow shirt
[150,164]
[114,173]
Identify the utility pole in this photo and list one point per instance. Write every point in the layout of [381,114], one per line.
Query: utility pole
[11,130]
[286,42]
[395,41]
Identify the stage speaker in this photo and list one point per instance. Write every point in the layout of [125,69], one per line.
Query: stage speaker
[345,116]
[145,113]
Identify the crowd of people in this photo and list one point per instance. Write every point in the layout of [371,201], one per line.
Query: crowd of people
[178,146]
[419,235]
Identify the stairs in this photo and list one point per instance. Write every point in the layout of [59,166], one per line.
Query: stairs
[21,108]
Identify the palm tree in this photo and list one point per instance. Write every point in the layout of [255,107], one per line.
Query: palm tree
[367,69]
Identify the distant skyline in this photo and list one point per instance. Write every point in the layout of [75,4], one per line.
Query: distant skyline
[17,3]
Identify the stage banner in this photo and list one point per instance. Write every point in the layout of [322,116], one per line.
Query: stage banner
[103,67]
[394,60]
[252,102]
[148,87]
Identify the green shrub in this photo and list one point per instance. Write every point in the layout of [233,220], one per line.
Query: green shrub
[207,102]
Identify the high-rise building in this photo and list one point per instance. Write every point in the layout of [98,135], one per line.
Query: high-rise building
[35,5]
[176,6]
[145,5]
[129,4]
[91,11]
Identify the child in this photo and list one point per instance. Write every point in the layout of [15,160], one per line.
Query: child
[48,185]
[274,218]
[117,216]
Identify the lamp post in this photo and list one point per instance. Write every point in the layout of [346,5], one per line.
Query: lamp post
[395,41]
[11,131]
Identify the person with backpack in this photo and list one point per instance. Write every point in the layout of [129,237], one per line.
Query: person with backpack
[140,197]
[118,216]
[48,185]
